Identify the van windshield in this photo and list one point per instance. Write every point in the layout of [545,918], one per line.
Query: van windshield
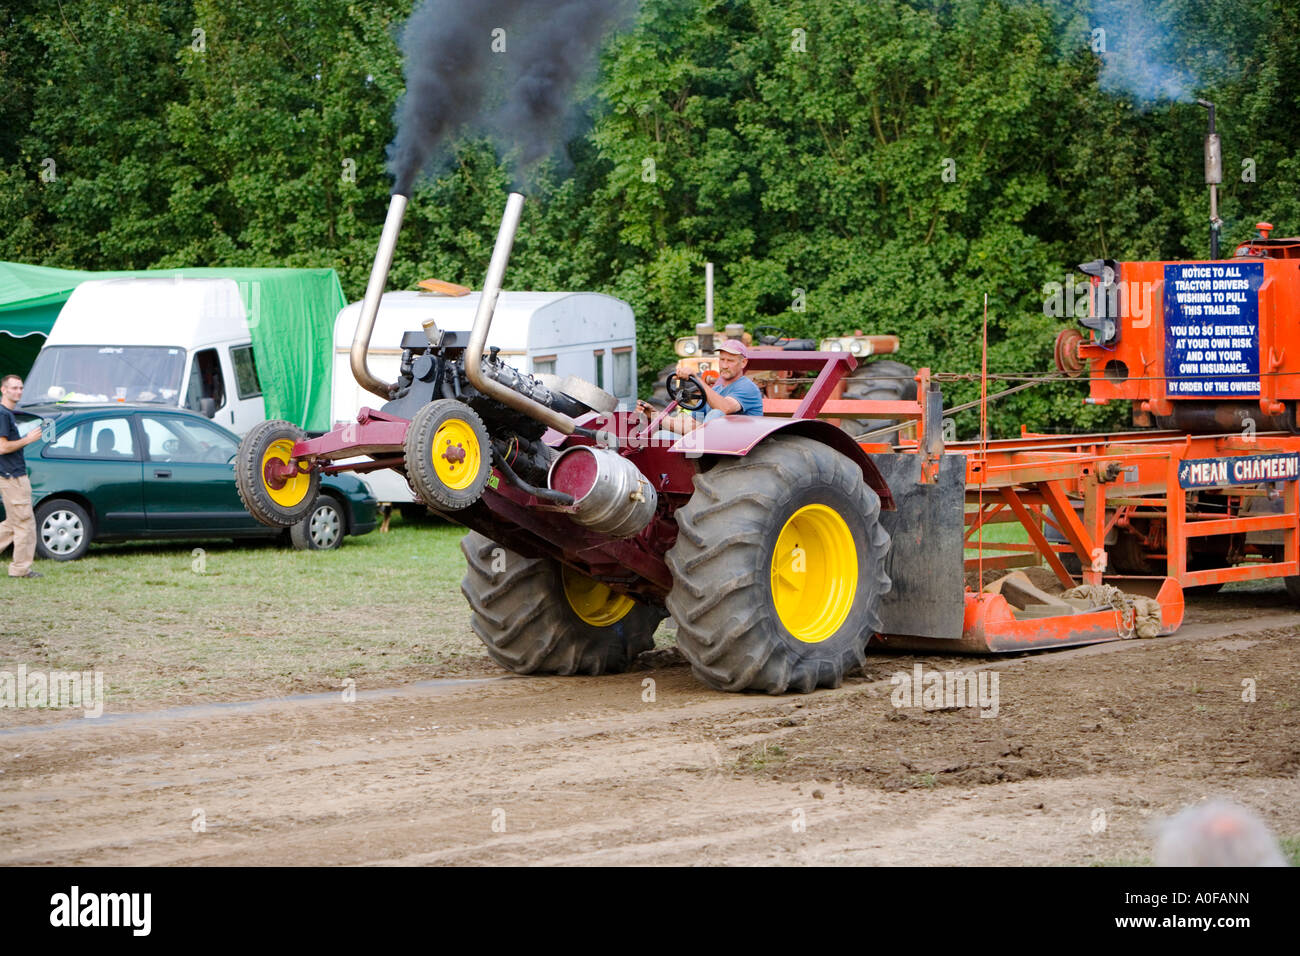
[105,373]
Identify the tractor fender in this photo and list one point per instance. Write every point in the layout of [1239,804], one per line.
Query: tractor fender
[738,435]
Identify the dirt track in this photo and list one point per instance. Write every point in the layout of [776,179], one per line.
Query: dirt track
[1088,748]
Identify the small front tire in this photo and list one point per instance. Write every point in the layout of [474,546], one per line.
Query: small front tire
[278,503]
[448,455]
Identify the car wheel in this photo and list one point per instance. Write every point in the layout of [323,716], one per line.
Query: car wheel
[322,529]
[63,530]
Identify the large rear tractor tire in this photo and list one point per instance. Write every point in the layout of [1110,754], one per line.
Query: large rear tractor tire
[883,380]
[276,502]
[778,569]
[536,616]
[448,455]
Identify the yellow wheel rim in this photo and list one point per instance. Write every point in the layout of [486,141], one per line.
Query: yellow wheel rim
[295,489]
[456,454]
[814,573]
[594,602]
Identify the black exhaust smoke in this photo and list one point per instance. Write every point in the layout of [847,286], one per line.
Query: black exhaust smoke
[505,69]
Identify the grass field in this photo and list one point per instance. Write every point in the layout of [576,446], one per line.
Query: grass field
[165,622]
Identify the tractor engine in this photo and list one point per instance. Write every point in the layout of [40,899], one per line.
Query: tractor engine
[433,367]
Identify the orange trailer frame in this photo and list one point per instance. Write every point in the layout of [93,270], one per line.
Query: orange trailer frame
[1084,487]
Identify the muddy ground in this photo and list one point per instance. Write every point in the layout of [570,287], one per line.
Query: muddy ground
[1088,749]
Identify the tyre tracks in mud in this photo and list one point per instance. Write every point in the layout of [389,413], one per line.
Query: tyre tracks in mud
[600,771]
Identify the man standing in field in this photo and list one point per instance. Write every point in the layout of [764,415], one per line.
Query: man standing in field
[15,489]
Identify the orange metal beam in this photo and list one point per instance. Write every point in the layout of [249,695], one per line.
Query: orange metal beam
[1197,529]
[999,561]
[1240,572]
[1036,535]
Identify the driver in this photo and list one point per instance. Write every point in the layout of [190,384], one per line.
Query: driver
[737,395]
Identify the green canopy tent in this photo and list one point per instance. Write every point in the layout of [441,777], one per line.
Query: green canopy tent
[291,320]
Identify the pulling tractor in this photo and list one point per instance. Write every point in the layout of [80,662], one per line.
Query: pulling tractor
[761,536]
[782,547]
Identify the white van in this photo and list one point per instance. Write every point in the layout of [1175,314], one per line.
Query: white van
[175,341]
[587,334]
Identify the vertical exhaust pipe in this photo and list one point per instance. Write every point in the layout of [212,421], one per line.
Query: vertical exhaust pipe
[483,321]
[374,292]
[1213,177]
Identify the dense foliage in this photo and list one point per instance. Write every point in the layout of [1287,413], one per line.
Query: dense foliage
[895,160]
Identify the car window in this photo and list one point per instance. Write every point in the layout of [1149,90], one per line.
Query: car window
[67,443]
[180,440]
[110,438]
[107,439]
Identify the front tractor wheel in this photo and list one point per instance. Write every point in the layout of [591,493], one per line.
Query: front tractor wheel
[536,616]
[266,475]
[778,569]
[448,455]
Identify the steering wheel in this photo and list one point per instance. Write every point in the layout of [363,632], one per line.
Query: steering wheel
[687,392]
[774,334]
[171,446]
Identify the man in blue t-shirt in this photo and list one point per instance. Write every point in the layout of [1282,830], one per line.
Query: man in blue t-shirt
[15,490]
[736,395]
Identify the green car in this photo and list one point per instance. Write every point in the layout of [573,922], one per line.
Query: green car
[119,471]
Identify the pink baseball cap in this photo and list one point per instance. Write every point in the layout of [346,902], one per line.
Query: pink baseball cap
[735,347]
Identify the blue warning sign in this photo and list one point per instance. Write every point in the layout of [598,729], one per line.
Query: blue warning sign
[1212,329]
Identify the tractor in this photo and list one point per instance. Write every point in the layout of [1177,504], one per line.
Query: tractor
[761,536]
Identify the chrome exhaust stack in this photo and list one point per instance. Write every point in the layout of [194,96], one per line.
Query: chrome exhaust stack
[374,292]
[483,321]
